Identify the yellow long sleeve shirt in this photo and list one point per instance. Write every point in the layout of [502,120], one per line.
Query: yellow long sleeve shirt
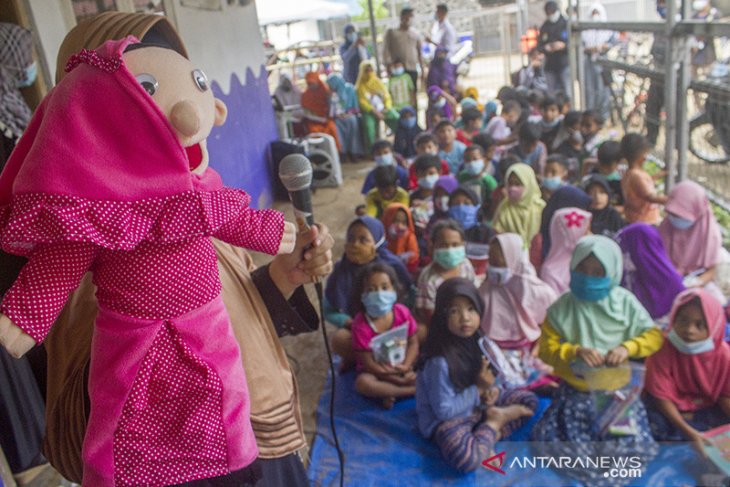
[561,354]
[375,204]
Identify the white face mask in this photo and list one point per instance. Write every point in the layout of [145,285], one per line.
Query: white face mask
[443,203]
[554,17]
[691,348]
[499,275]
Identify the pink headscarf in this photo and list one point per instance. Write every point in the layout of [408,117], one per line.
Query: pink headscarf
[513,312]
[567,226]
[697,247]
[692,382]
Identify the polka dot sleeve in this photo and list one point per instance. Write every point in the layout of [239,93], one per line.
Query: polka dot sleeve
[44,284]
[259,230]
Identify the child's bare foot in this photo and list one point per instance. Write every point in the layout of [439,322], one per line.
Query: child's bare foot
[388,402]
[498,417]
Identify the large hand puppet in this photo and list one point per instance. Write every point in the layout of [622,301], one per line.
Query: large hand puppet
[112,176]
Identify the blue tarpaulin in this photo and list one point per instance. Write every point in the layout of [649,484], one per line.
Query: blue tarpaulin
[383,447]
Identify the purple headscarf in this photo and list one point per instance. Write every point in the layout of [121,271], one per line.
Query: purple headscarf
[434,93]
[440,71]
[648,272]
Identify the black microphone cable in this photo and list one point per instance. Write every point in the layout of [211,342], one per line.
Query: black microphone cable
[340,454]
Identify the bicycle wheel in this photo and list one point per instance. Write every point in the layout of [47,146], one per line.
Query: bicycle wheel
[705,143]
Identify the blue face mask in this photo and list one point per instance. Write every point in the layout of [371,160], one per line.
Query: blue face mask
[31,73]
[466,215]
[384,159]
[589,288]
[474,167]
[662,11]
[551,184]
[351,37]
[680,223]
[378,303]
[409,122]
[614,176]
[690,348]
[398,71]
[451,257]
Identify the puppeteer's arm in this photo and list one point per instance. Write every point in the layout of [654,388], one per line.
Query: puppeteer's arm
[32,304]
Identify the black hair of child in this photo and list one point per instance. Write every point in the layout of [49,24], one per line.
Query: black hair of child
[549,101]
[632,146]
[424,138]
[511,106]
[572,118]
[483,140]
[594,115]
[507,161]
[443,225]
[385,176]
[361,283]
[558,159]
[442,7]
[426,161]
[474,148]
[609,152]
[562,98]
[471,114]
[530,133]
[506,93]
[535,97]
[382,144]
[442,124]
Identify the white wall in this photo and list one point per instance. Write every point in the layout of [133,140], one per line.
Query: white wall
[282,36]
[52,22]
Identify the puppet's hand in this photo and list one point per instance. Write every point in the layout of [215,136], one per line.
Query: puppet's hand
[289,239]
[15,340]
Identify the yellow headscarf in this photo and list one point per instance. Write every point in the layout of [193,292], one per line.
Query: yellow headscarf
[472,92]
[369,84]
[522,217]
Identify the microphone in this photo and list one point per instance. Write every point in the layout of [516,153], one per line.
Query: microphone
[295,172]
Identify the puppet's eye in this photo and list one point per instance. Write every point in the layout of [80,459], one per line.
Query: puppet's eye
[201,80]
[148,82]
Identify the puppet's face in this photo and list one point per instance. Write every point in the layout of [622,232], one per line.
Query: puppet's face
[183,94]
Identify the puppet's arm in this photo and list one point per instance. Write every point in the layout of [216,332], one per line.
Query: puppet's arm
[259,230]
[39,293]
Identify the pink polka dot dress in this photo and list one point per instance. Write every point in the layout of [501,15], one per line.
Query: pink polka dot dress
[100,183]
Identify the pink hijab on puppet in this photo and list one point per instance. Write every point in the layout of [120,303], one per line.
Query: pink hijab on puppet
[697,247]
[692,382]
[514,311]
[567,226]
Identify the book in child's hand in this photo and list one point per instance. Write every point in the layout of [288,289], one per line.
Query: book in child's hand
[719,451]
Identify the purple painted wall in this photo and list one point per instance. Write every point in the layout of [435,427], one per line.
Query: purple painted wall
[239,148]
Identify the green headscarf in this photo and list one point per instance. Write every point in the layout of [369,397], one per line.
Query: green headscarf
[524,216]
[603,324]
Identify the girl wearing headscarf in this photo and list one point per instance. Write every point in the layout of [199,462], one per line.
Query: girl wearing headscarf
[287,93]
[408,130]
[441,72]
[520,212]
[606,220]
[596,324]
[515,299]
[353,52]
[440,102]
[567,227]
[473,93]
[688,380]
[595,43]
[345,111]
[316,105]
[692,236]
[365,244]
[565,197]
[455,382]
[648,272]
[375,103]
[401,234]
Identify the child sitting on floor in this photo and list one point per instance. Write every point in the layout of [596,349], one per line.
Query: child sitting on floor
[609,158]
[459,406]
[486,142]
[425,144]
[376,299]
[591,123]
[472,119]
[450,149]
[384,155]
[550,120]
[556,175]
[407,132]
[500,127]
[401,235]
[521,211]
[688,380]
[529,149]
[464,209]
[475,175]
[386,191]
[606,221]
[641,201]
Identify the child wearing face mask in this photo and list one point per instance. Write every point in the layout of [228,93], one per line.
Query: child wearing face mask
[515,300]
[550,120]
[472,120]
[591,123]
[401,235]
[365,244]
[500,127]
[598,323]
[426,143]
[489,147]
[448,260]
[609,159]
[465,210]
[458,403]
[688,379]
[521,210]
[529,149]
[408,130]
[475,174]
[445,186]
[569,141]
[384,155]
[641,201]
[378,311]
[450,149]
[556,174]
[400,86]
[441,106]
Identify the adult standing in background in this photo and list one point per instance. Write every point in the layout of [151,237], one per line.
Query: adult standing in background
[595,43]
[655,97]
[553,41]
[403,44]
[443,33]
[352,52]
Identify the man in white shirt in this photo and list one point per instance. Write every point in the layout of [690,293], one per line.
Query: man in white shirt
[443,33]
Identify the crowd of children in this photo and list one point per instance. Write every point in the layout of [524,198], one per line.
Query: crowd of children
[533,232]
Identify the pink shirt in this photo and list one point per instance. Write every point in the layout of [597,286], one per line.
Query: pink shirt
[363,333]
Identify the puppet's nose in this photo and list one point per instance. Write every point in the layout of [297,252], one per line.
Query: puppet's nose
[185,118]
